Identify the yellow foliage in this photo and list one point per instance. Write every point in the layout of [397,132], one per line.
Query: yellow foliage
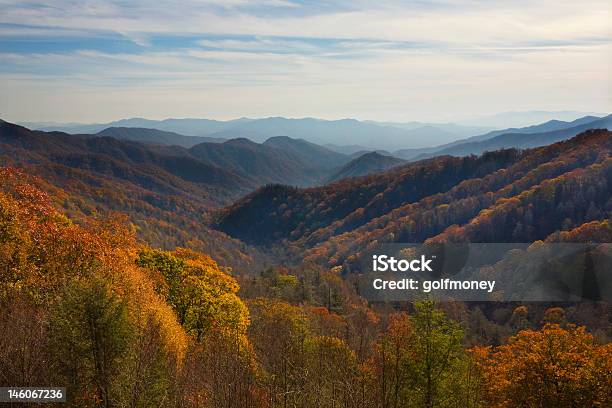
[41,251]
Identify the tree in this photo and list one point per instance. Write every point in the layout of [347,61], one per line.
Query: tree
[24,357]
[89,334]
[419,362]
[332,373]
[279,332]
[437,351]
[392,360]
[551,367]
[202,295]
[145,373]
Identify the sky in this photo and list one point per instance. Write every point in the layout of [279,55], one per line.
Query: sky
[96,61]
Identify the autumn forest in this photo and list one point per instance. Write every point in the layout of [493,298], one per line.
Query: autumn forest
[142,273]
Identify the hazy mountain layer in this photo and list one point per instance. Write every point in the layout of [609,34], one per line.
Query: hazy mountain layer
[156,136]
[367,163]
[320,156]
[371,135]
[547,132]
[502,196]
[525,139]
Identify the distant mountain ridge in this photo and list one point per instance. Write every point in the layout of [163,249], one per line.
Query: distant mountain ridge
[320,156]
[518,119]
[365,164]
[268,164]
[156,136]
[523,139]
[371,135]
[188,127]
[341,132]
[547,126]
[347,136]
[477,144]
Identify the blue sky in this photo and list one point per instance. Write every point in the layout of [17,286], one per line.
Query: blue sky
[92,60]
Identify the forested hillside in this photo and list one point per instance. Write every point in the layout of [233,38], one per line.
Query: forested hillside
[143,291]
[502,196]
[155,136]
[264,163]
[367,163]
[165,192]
[120,324]
[321,157]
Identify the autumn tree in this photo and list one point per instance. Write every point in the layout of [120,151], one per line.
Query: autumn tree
[391,361]
[279,332]
[551,367]
[420,362]
[202,295]
[332,374]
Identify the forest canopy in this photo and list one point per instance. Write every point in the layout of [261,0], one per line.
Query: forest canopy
[122,324]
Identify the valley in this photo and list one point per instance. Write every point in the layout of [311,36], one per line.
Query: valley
[239,253]
[302,201]
[306,204]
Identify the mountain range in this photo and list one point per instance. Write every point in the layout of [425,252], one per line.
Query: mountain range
[525,139]
[410,141]
[238,199]
[507,195]
[156,136]
[523,118]
[530,136]
[364,164]
[339,132]
[169,163]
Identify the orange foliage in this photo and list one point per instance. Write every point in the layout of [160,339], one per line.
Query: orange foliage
[552,367]
[41,251]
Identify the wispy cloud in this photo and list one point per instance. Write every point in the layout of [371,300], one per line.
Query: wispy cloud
[387,59]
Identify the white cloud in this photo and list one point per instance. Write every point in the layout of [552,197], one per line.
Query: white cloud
[385,60]
[458,22]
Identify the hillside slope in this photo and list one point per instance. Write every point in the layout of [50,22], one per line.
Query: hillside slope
[165,192]
[321,157]
[263,163]
[365,164]
[276,213]
[146,135]
[544,133]
[161,170]
[501,196]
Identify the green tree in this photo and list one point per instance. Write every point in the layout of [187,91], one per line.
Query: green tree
[89,334]
[437,351]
